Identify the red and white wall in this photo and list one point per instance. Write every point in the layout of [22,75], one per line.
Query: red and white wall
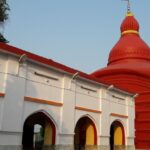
[29,86]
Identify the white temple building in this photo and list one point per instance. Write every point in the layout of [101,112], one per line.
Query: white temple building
[43,102]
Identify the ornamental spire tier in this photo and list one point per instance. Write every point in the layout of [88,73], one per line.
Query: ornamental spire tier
[130,44]
[129,24]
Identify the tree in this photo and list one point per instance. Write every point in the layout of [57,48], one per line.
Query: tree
[4,8]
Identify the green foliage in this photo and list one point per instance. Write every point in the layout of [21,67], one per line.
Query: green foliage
[4,8]
[2,39]
[42,132]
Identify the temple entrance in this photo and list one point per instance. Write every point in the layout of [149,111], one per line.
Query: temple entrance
[117,135]
[85,133]
[38,130]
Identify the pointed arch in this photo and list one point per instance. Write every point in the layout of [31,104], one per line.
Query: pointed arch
[117,134]
[85,132]
[47,129]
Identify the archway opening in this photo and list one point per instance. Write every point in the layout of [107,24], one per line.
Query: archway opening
[38,130]
[38,135]
[85,133]
[117,135]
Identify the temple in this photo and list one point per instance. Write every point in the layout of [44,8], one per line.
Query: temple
[45,103]
[129,69]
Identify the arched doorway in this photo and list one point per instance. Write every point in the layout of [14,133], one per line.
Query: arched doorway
[38,130]
[85,133]
[117,135]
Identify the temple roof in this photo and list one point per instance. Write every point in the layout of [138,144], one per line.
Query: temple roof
[130,54]
[130,44]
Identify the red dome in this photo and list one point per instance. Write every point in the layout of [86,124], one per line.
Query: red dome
[129,23]
[130,45]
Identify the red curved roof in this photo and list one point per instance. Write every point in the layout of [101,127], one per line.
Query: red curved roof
[130,45]
[129,23]
[129,66]
[129,52]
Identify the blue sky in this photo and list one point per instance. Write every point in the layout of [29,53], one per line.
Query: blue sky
[76,33]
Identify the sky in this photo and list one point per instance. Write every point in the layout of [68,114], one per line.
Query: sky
[76,33]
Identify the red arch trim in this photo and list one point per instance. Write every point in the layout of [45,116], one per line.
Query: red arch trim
[95,133]
[53,134]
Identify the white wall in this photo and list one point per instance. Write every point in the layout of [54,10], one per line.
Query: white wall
[18,81]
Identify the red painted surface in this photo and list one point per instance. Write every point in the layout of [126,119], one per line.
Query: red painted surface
[129,23]
[129,69]
[95,133]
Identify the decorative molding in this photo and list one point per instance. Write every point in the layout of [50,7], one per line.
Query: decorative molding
[118,115]
[143,111]
[104,136]
[2,94]
[88,89]
[129,31]
[143,130]
[36,100]
[45,76]
[66,134]
[142,102]
[130,137]
[117,97]
[10,133]
[87,109]
[143,120]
